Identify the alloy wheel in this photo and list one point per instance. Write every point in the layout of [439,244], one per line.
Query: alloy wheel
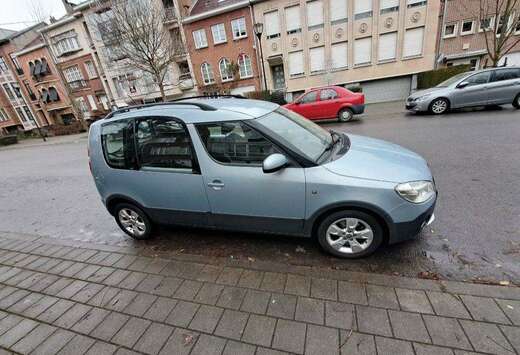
[349,235]
[132,222]
[439,106]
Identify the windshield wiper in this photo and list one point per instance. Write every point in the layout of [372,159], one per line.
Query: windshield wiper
[335,138]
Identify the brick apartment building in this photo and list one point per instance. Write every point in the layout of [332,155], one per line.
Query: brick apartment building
[221,42]
[461,35]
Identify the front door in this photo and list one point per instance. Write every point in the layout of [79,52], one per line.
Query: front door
[278,77]
[241,195]
[475,93]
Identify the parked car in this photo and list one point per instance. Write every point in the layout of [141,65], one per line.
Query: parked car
[497,86]
[254,166]
[329,102]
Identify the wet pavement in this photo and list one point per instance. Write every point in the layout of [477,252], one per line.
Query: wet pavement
[46,189]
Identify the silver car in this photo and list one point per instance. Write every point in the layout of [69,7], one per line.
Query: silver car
[255,166]
[497,86]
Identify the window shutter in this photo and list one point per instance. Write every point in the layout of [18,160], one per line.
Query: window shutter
[339,55]
[272,23]
[338,10]
[361,6]
[314,13]
[386,4]
[363,50]
[292,18]
[317,56]
[387,46]
[413,42]
[296,63]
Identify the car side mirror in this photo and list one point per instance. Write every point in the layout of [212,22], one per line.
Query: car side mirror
[462,85]
[274,162]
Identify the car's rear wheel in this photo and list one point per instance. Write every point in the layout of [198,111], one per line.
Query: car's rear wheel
[345,115]
[516,102]
[350,234]
[133,221]
[439,106]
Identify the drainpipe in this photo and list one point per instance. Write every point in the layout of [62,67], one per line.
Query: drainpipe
[440,42]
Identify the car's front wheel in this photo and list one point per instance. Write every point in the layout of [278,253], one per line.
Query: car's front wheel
[350,234]
[345,115]
[516,102]
[133,221]
[439,106]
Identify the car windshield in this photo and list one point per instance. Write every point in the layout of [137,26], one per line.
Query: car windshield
[297,133]
[451,80]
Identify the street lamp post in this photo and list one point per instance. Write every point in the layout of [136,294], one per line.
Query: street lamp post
[259,29]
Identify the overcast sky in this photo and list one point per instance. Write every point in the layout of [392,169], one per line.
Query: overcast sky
[17,14]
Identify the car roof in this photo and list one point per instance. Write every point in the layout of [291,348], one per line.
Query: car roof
[210,110]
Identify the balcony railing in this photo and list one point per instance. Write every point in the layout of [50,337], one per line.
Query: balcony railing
[78,84]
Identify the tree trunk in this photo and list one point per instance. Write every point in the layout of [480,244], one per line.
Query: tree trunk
[161,89]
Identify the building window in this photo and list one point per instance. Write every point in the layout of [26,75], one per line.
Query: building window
[363,51]
[224,66]
[17,91]
[507,26]
[338,11]
[416,3]
[450,30]
[200,39]
[238,27]
[53,94]
[82,104]
[207,74]
[339,55]
[29,90]
[486,24]
[3,115]
[8,91]
[21,114]
[317,59]
[387,6]
[91,70]
[272,24]
[244,65]
[17,65]
[387,46]
[315,14]
[413,42]
[184,70]
[219,33]
[28,113]
[74,77]
[3,65]
[296,63]
[292,19]
[467,27]
[362,9]
[65,43]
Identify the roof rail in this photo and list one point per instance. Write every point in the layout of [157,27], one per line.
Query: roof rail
[209,97]
[202,106]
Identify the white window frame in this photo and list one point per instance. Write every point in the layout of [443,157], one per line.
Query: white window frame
[345,55]
[379,49]
[66,42]
[73,73]
[363,13]
[471,31]
[271,35]
[239,25]
[336,18]
[455,28]
[312,65]
[207,73]
[90,68]
[245,67]
[3,65]
[491,24]
[225,75]
[414,55]
[200,39]
[3,115]
[392,6]
[218,31]
[370,59]
[292,26]
[296,74]
[319,23]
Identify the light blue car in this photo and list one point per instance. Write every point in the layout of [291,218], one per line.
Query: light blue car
[254,166]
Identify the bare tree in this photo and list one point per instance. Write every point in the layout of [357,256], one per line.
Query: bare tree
[38,11]
[137,27]
[499,20]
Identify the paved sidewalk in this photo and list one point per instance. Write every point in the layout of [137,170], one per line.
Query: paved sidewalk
[60,298]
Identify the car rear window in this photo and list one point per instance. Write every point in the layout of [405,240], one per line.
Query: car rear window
[117,148]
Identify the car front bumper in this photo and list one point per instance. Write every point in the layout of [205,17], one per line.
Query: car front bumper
[406,230]
[358,109]
[417,106]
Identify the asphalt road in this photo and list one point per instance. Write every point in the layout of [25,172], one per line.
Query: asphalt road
[47,190]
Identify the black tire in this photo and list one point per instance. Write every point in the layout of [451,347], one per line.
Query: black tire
[142,218]
[438,103]
[516,102]
[377,232]
[345,115]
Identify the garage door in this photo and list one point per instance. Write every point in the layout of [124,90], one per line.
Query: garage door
[394,89]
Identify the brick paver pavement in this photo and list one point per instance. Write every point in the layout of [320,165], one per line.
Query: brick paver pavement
[60,297]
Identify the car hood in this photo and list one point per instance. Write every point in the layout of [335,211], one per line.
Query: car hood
[424,92]
[375,159]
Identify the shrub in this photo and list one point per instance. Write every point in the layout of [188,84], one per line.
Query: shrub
[277,97]
[431,78]
[354,87]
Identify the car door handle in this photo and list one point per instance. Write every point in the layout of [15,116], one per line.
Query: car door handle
[216,185]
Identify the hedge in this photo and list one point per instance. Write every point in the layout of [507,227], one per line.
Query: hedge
[431,78]
[275,96]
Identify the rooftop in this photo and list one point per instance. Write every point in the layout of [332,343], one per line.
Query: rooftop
[203,6]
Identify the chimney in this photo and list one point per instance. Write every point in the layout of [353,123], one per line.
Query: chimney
[69,8]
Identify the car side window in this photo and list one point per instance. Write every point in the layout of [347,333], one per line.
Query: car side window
[235,143]
[163,143]
[328,94]
[117,144]
[478,79]
[310,97]
[506,74]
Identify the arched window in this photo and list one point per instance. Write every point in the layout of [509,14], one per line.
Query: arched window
[53,94]
[225,70]
[45,67]
[31,68]
[244,65]
[44,96]
[207,73]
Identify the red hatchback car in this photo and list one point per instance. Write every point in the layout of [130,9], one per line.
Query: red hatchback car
[329,102]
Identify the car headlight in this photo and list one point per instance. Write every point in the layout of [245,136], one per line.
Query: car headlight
[416,191]
[422,97]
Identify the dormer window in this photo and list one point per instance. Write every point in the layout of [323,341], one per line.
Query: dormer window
[66,43]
